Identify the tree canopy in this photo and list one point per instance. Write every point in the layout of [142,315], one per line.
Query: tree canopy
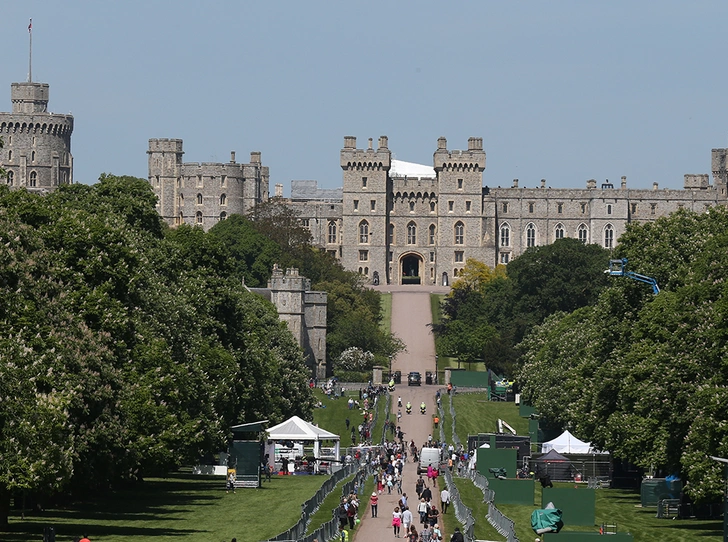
[642,375]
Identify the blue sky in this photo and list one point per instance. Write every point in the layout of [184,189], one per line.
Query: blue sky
[563,90]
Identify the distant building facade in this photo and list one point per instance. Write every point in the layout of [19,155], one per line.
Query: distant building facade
[36,149]
[202,194]
[399,223]
[303,310]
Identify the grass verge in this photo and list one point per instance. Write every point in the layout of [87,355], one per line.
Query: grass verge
[177,508]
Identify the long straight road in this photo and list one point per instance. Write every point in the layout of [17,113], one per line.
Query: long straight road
[411,316]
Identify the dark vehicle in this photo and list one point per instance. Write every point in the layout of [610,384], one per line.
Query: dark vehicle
[414,379]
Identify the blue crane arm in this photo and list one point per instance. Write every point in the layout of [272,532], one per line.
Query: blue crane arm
[642,278]
[618,268]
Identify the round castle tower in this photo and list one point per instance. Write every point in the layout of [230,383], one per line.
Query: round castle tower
[37,144]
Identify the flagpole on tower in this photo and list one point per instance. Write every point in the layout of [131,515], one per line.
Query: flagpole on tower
[30,52]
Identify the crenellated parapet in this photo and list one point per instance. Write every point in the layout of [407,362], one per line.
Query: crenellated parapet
[353,159]
[471,160]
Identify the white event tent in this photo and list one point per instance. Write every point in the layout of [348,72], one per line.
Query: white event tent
[297,430]
[566,443]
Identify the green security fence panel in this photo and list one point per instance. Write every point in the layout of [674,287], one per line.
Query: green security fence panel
[492,458]
[513,491]
[469,379]
[525,411]
[578,505]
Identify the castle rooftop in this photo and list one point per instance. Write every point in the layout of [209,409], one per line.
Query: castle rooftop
[401,168]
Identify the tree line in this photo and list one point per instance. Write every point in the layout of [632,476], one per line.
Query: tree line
[643,376]
[129,348]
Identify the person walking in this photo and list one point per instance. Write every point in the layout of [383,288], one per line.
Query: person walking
[422,509]
[407,519]
[457,536]
[444,499]
[396,521]
[374,501]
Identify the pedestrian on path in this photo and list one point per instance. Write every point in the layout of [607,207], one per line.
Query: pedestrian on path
[407,519]
[396,521]
[374,501]
[444,500]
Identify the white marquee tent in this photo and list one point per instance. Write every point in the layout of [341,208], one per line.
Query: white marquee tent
[566,443]
[297,430]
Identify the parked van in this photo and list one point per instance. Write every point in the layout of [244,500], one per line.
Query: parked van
[428,456]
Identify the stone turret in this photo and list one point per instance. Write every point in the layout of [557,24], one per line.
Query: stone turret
[37,152]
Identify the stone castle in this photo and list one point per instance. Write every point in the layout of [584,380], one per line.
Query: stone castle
[37,144]
[392,221]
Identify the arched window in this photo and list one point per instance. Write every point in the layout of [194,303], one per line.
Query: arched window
[531,235]
[11,177]
[459,233]
[432,234]
[199,199]
[391,234]
[583,233]
[10,156]
[223,199]
[223,215]
[198,217]
[363,232]
[559,231]
[608,236]
[412,206]
[32,156]
[411,234]
[332,232]
[505,235]
[33,178]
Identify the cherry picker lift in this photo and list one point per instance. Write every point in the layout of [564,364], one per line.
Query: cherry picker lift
[618,268]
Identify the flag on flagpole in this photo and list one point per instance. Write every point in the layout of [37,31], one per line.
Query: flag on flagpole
[30,26]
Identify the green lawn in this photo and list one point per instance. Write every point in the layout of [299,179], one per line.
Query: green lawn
[177,508]
[475,414]
[335,412]
[386,304]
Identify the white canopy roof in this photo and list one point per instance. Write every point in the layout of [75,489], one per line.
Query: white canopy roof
[566,443]
[410,169]
[295,428]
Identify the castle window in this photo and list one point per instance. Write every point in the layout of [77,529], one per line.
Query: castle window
[432,257]
[356,204]
[332,232]
[199,181]
[32,156]
[198,217]
[583,233]
[459,255]
[363,232]
[411,234]
[559,208]
[199,199]
[505,206]
[450,206]
[363,255]
[223,216]
[373,205]
[531,235]
[11,176]
[181,200]
[391,234]
[33,178]
[459,233]
[432,206]
[412,206]
[460,184]
[634,208]
[305,222]
[10,156]
[505,235]
[530,207]
[180,219]
[467,206]
[391,257]
[223,199]
[609,209]
[431,238]
[363,182]
[608,236]
[223,181]
[559,231]
[504,257]
[653,207]
[366,271]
